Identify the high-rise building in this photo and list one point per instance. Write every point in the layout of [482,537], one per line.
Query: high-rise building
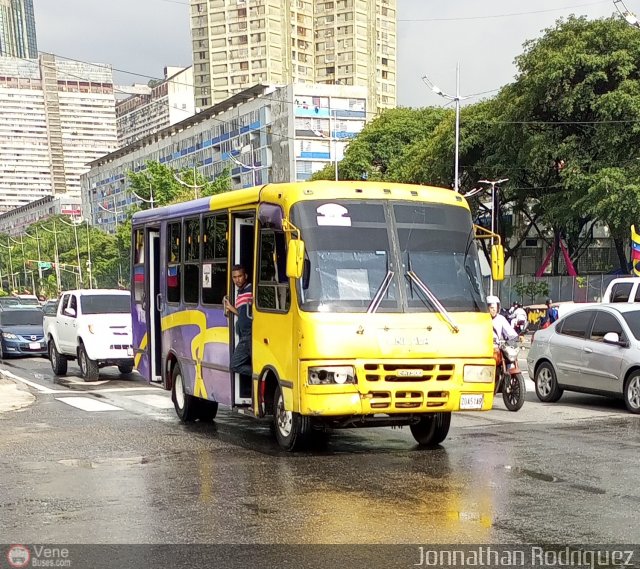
[238,43]
[18,29]
[56,116]
[163,104]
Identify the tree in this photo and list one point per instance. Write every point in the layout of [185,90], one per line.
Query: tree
[531,289]
[383,145]
[166,187]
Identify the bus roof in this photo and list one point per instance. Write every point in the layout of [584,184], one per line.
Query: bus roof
[290,193]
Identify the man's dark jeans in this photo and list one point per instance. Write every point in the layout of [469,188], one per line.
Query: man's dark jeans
[241,358]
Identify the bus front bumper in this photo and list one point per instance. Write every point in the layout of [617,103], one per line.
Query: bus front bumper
[379,391]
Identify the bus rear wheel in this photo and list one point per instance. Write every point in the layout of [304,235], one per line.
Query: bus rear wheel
[291,429]
[431,429]
[186,405]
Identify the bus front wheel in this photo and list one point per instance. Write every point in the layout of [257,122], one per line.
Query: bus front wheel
[291,429]
[185,404]
[431,429]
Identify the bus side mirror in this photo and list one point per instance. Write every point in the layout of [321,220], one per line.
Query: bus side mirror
[497,262]
[295,258]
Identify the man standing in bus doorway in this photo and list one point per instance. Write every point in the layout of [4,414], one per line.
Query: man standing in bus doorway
[241,358]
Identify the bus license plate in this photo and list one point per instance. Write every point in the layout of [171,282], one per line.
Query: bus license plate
[471,401]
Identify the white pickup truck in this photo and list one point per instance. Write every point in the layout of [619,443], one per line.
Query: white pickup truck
[622,289]
[93,326]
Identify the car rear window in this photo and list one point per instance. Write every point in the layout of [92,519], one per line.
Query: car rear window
[633,321]
[106,304]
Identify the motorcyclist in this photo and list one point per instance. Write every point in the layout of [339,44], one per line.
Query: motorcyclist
[519,319]
[502,330]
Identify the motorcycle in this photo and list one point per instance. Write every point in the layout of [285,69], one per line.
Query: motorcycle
[509,378]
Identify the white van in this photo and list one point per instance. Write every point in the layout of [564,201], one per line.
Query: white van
[622,289]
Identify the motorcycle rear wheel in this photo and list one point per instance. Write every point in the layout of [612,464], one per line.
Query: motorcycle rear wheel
[513,392]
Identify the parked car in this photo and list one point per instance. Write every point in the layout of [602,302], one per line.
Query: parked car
[93,326]
[50,307]
[28,299]
[8,302]
[595,349]
[21,333]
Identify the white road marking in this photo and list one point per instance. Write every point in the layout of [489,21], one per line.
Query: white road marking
[88,404]
[158,401]
[36,386]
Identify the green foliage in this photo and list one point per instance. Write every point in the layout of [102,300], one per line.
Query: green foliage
[383,146]
[532,289]
[163,182]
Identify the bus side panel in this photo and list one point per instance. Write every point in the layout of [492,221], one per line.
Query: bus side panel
[199,338]
[140,340]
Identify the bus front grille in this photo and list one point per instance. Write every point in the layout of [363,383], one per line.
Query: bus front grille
[408,372]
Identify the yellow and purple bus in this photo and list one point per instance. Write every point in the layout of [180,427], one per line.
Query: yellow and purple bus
[368,309]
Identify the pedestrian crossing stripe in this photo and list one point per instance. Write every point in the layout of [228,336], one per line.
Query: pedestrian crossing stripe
[88,404]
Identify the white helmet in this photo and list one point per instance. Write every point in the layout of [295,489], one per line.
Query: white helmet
[492,299]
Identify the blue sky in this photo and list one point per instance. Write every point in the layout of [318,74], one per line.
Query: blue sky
[142,36]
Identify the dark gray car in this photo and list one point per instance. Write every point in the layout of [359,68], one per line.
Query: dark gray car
[595,349]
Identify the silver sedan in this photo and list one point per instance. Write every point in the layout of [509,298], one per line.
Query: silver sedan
[595,349]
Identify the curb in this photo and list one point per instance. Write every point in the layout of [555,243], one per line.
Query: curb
[12,397]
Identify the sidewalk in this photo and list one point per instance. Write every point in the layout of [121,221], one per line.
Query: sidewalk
[13,397]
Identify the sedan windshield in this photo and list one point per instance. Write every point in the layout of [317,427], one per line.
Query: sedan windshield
[24,317]
[106,304]
[357,250]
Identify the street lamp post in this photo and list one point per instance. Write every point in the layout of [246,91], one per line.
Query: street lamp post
[457,98]
[245,150]
[195,187]
[149,201]
[75,232]
[115,212]
[13,279]
[56,257]
[38,239]
[89,268]
[493,184]
[627,14]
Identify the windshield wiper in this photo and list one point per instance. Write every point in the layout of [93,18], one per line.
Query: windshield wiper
[382,290]
[433,300]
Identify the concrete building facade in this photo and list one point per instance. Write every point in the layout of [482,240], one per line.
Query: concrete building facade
[18,29]
[56,116]
[163,105]
[263,134]
[237,43]
[18,220]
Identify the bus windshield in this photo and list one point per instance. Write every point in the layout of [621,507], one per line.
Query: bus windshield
[352,247]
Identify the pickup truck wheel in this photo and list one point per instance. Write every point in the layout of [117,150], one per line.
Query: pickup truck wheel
[88,367]
[125,369]
[58,361]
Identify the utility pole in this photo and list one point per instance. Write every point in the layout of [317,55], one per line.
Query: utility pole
[493,184]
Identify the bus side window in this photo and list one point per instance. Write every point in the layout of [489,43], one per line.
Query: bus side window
[191,288]
[273,285]
[173,255]
[215,249]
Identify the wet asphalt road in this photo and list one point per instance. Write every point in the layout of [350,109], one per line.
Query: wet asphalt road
[559,473]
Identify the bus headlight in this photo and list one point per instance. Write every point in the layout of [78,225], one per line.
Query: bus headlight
[331,375]
[478,374]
